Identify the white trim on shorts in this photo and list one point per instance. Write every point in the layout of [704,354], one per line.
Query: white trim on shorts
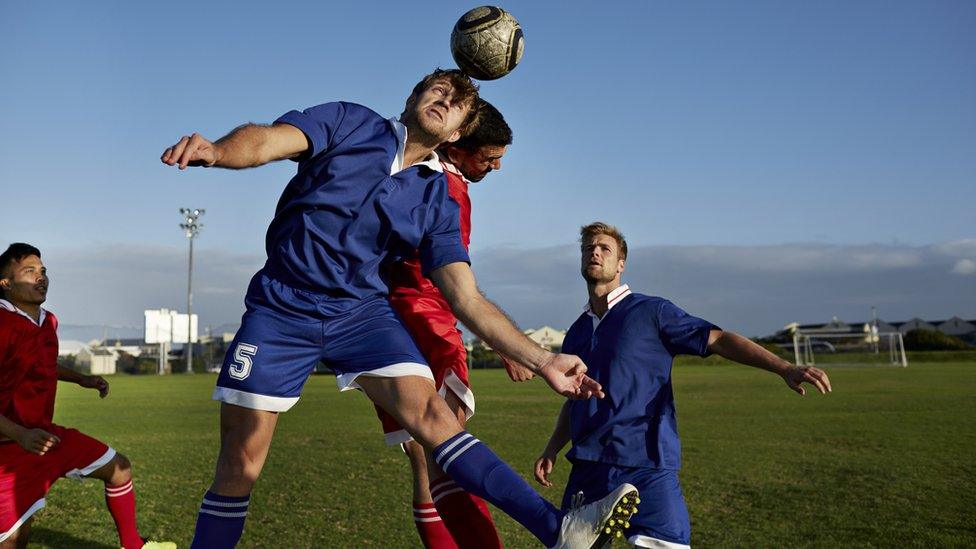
[38,505]
[347,382]
[80,474]
[397,438]
[654,543]
[463,392]
[253,400]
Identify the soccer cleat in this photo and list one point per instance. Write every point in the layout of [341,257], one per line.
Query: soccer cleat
[598,523]
[159,545]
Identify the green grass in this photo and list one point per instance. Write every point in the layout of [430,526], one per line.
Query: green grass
[886,460]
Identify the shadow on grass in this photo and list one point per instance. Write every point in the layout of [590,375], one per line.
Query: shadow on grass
[43,537]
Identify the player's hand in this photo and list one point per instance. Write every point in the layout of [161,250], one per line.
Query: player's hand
[543,466]
[566,374]
[191,150]
[95,382]
[37,441]
[515,370]
[796,375]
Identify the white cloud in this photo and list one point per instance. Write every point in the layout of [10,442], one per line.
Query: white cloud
[964,267]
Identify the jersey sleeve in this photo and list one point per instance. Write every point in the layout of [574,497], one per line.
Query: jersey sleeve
[681,333]
[319,124]
[441,244]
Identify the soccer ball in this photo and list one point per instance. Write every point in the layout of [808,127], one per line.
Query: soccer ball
[487,43]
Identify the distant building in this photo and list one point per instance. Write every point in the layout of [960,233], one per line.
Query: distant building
[70,347]
[547,337]
[96,360]
[955,326]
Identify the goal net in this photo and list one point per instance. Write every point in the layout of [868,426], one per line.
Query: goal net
[871,348]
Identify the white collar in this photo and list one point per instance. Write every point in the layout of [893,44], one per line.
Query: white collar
[614,297]
[450,167]
[431,161]
[13,309]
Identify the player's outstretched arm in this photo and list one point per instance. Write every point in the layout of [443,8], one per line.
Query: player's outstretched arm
[35,441]
[560,436]
[745,351]
[89,382]
[566,374]
[516,371]
[248,146]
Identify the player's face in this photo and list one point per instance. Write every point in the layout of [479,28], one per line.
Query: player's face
[600,260]
[476,164]
[437,113]
[26,281]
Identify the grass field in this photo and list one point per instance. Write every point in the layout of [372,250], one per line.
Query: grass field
[887,460]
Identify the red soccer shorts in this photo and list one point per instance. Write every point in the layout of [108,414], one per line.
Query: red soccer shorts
[432,324]
[25,478]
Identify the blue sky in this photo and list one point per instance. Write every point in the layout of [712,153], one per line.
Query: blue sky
[731,127]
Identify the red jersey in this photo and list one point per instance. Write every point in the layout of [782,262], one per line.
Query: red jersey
[405,278]
[28,367]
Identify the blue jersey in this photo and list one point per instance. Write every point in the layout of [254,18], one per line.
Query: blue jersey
[629,352]
[350,208]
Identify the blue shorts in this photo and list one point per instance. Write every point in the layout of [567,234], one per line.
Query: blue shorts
[285,332]
[661,519]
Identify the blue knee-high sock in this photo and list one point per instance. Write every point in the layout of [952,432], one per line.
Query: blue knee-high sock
[220,522]
[477,469]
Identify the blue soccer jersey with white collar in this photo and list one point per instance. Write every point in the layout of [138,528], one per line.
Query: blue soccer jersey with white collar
[629,352]
[350,207]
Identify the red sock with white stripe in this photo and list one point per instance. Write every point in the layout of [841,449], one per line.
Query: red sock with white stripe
[431,528]
[121,501]
[465,515]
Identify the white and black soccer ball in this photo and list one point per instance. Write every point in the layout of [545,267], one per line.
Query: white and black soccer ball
[487,43]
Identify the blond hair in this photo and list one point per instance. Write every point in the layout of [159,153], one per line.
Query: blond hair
[587,232]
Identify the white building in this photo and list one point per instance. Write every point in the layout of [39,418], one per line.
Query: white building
[96,361]
[547,337]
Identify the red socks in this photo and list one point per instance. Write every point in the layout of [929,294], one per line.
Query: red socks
[431,528]
[121,501]
[465,515]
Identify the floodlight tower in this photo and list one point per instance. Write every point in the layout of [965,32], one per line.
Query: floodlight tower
[191,228]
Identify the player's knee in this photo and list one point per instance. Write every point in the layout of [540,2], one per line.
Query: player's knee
[430,420]
[122,463]
[238,467]
[121,470]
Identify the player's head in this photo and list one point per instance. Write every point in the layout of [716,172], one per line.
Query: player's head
[441,107]
[480,150]
[23,278]
[603,253]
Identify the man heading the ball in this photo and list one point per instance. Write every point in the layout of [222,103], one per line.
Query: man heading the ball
[446,516]
[34,451]
[629,341]
[368,190]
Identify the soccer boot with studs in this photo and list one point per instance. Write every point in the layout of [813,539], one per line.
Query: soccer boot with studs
[595,525]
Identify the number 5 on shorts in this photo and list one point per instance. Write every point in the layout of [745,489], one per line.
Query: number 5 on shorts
[241,368]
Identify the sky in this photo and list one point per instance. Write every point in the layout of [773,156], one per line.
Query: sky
[768,161]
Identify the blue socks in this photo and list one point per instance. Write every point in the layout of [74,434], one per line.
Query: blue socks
[220,522]
[477,469]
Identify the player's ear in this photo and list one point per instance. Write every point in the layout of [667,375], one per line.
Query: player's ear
[454,136]
[621,265]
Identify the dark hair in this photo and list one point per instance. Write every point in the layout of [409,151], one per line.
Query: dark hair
[15,252]
[492,130]
[465,90]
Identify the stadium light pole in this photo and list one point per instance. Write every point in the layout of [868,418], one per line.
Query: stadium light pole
[191,228]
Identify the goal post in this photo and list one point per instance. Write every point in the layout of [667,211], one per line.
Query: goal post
[870,348]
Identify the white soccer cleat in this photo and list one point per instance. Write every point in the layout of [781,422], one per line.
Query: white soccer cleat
[596,524]
[159,545]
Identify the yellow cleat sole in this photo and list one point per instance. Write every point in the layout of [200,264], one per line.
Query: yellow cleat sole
[618,521]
